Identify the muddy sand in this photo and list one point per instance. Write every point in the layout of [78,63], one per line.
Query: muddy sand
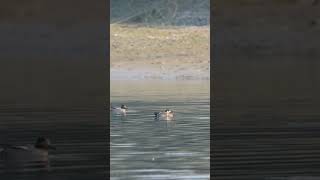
[139,52]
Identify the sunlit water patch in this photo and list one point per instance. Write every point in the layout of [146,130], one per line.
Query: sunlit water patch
[143,147]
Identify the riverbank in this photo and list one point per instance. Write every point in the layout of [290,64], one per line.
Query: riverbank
[139,52]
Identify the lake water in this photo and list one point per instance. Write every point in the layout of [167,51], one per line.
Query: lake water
[79,134]
[143,147]
[276,141]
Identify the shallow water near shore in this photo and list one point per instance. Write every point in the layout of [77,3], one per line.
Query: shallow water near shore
[143,147]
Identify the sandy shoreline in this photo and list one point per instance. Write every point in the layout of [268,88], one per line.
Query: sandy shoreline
[159,53]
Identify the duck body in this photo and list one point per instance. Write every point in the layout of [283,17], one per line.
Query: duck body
[18,156]
[167,114]
[120,110]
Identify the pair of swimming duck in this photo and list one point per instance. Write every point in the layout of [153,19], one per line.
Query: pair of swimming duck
[123,109]
[40,150]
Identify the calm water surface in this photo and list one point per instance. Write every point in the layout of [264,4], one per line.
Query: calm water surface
[276,141]
[145,148]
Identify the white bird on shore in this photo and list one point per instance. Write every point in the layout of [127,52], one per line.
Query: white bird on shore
[122,109]
[168,114]
[29,153]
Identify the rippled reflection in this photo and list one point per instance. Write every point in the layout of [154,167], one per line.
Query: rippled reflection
[77,133]
[144,147]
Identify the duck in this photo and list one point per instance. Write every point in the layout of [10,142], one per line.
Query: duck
[164,114]
[30,153]
[121,109]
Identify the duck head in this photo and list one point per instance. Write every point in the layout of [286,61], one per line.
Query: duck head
[124,107]
[43,143]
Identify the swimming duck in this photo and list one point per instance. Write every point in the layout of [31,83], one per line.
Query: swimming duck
[30,153]
[121,109]
[164,114]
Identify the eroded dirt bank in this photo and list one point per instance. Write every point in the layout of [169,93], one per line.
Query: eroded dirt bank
[140,52]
